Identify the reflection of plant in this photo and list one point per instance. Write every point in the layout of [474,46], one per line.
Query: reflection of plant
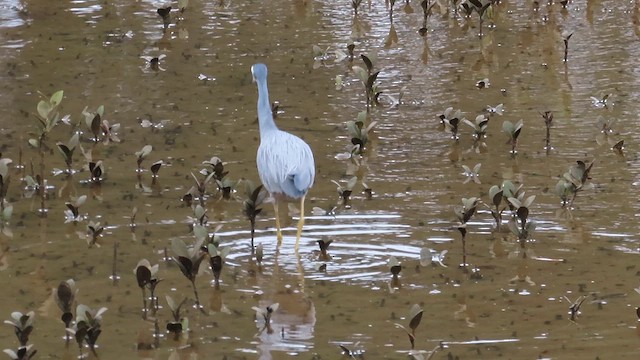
[464,214]
[513,131]
[572,182]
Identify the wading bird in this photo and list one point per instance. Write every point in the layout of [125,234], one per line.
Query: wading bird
[285,162]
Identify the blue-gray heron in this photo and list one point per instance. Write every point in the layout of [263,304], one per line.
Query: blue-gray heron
[285,162]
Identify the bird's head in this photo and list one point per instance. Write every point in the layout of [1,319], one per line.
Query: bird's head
[259,72]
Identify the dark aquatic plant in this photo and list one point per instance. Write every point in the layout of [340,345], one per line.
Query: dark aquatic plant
[141,155]
[464,214]
[427,7]
[93,121]
[155,167]
[324,247]
[188,260]
[572,182]
[22,325]
[165,14]
[415,314]
[255,197]
[147,277]
[217,256]
[574,308]
[513,130]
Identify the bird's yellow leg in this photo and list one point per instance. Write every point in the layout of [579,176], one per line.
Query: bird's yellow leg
[278,230]
[300,224]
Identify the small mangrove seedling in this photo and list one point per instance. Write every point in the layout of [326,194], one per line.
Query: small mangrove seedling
[600,103]
[141,155]
[94,122]
[450,119]
[179,324]
[482,9]
[497,110]
[574,308]
[432,257]
[188,261]
[566,35]
[464,214]
[22,325]
[165,14]
[265,315]
[72,214]
[88,326]
[96,171]
[155,167]
[324,247]
[48,117]
[252,205]
[618,148]
[496,195]
[415,314]
[147,277]
[513,131]
[217,256]
[110,131]
[572,182]
[65,295]
[346,191]
[479,126]
[427,8]
[94,232]
[394,269]
[200,188]
[67,151]
[368,79]
[355,4]
[359,133]
[548,122]
[484,83]
[225,185]
[520,225]
[472,174]
[23,352]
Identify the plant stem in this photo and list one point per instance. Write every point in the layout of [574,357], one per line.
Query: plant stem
[195,292]
[114,275]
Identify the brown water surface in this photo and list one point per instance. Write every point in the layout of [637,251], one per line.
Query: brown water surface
[200,103]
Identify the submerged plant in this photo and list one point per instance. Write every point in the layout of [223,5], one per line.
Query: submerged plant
[255,198]
[513,131]
[464,214]
[188,261]
[572,182]
[22,325]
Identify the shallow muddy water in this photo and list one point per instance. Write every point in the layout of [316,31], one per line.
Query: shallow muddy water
[200,102]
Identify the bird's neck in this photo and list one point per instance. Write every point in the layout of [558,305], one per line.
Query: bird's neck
[265,116]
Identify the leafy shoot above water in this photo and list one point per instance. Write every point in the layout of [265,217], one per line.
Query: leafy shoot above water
[22,324]
[430,256]
[603,102]
[141,155]
[520,225]
[415,314]
[346,191]
[23,353]
[451,120]
[255,197]
[572,182]
[72,214]
[479,126]
[514,132]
